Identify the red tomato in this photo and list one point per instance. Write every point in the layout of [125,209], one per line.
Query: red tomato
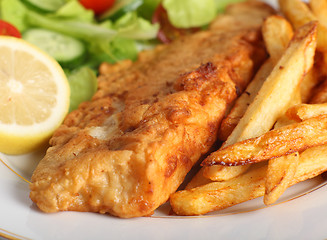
[167,31]
[6,29]
[98,6]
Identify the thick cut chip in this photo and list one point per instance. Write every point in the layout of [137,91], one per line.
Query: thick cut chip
[308,84]
[255,114]
[275,143]
[242,103]
[277,33]
[319,9]
[221,173]
[320,94]
[280,87]
[219,195]
[302,112]
[298,13]
[280,173]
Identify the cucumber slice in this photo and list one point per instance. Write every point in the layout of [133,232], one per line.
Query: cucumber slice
[120,8]
[68,51]
[46,5]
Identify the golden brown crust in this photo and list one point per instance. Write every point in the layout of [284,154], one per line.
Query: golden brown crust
[128,149]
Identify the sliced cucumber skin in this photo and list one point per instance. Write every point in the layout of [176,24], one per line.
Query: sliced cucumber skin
[68,51]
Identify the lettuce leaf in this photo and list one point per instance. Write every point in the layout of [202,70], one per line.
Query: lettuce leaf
[147,9]
[14,12]
[221,4]
[74,10]
[190,13]
[83,85]
[133,27]
[72,27]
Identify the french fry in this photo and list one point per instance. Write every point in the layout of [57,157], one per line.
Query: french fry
[271,101]
[279,88]
[321,65]
[281,170]
[275,143]
[319,9]
[318,12]
[320,95]
[281,146]
[198,180]
[302,112]
[298,13]
[285,167]
[312,163]
[241,104]
[219,195]
[309,82]
[280,173]
[277,33]
[223,173]
[283,121]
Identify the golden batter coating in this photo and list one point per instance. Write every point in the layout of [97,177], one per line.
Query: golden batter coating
[150,121]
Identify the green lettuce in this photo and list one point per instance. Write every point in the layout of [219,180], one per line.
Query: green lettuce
[190,13]
[221,4]
[147,9]
[72,27]
[14,12]
[74,10]
[83,85]
[133,27]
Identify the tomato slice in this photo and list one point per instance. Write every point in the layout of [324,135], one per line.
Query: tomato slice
[97,6]
[6,29]
[167,31]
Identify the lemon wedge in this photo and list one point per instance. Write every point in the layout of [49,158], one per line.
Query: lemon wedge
[34,96]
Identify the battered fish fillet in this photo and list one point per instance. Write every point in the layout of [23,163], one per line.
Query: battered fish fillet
[128,149]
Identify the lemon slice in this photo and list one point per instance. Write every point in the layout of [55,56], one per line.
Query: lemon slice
[34,96]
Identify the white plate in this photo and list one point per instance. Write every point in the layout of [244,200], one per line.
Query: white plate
[300,214]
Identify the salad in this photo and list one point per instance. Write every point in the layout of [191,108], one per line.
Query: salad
[82,34]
